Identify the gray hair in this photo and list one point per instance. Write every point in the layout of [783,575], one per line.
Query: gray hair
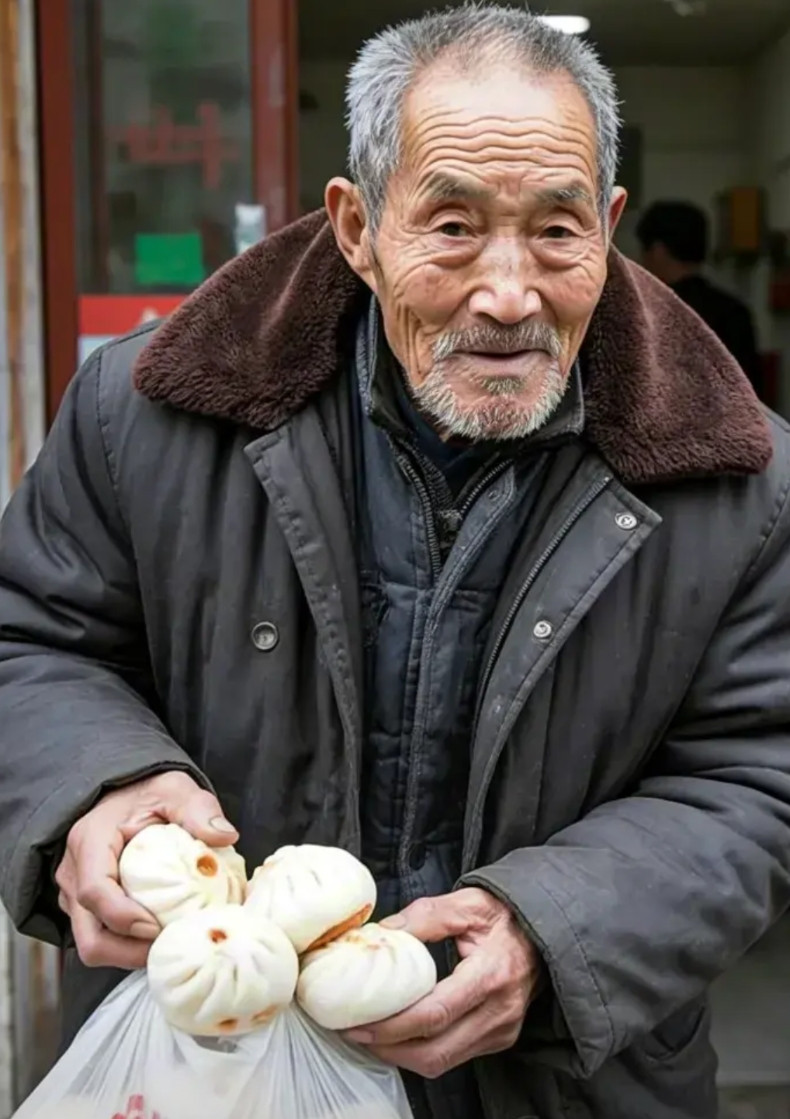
[388,65]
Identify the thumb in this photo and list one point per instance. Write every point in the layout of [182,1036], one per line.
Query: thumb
[200,814]
[432,919]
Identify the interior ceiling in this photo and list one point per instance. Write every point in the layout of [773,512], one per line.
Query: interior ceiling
[627,32]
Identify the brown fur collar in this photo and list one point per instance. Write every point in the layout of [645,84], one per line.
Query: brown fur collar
[258,339]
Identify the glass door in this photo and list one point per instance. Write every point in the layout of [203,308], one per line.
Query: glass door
[179,114]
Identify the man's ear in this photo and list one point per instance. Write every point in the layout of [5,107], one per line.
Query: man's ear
[616,207]
[350,225]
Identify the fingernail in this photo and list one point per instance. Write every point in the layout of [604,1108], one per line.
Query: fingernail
[144,930]
[396,921]
[219,823]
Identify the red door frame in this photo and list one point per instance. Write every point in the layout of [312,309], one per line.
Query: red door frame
[58,195]
[274,81]
[275,99]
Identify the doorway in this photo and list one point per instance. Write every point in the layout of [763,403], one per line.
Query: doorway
[167,146]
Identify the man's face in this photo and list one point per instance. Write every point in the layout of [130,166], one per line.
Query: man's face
[491,255]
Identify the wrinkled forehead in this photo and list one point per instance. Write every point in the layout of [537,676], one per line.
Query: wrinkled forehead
[506,122]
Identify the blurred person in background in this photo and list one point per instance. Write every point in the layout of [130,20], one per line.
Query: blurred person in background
[674,237]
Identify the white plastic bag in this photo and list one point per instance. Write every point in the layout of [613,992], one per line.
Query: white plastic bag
[128,1063]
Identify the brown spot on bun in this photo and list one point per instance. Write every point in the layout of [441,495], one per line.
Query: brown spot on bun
[355,921]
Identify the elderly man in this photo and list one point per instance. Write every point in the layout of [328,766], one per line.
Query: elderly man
[432,528]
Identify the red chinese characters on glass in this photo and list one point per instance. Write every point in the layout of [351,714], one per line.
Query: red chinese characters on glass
[162,142]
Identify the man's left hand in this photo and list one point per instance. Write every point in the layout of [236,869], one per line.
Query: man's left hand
[477,1010]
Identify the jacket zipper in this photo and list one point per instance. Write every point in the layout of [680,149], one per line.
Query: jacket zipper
[414,476]
[432,536]
[583,505]
[490,476]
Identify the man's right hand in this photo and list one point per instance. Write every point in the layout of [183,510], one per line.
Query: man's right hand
[110,930]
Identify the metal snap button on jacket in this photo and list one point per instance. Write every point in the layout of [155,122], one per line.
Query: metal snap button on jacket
[543,630]
[265,636]
[626,520]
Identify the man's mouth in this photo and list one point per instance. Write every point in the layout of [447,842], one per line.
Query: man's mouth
[507,359]
[510,355]
[518,343]
[503,350]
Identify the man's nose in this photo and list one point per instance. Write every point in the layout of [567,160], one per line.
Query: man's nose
[504,290]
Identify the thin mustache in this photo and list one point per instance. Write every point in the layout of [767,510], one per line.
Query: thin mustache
[499,340]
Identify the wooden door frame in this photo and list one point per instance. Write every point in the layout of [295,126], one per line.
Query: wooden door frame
[275,106]
[55,81]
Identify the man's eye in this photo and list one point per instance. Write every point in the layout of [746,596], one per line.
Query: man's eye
[558,232]
[452,229]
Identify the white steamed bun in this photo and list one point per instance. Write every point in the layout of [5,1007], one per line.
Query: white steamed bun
[236,870]
[364,976]
[172,874]
[218,972]
[313,893]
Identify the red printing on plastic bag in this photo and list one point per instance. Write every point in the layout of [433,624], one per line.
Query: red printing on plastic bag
[135,1109]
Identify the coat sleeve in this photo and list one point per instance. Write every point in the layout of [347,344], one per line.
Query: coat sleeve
[638,906]
[76,714]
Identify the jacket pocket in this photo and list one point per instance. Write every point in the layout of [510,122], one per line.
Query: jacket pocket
[677,1033]
[673,1069]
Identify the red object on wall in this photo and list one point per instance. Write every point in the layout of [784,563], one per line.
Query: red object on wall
[116,314]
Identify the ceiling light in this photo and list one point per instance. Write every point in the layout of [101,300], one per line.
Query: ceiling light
[569,25]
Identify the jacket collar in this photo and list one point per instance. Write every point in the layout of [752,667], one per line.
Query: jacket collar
[663,399]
